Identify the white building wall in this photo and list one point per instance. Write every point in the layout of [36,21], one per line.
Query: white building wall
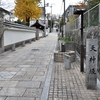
[13,35]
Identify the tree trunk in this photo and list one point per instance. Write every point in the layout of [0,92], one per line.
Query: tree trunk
[27,21]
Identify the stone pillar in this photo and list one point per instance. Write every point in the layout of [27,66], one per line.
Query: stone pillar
[37,34]
[1,36]
[34,39]
[23,43]
[13,47]
[91,63]
[30,41]
[44,33]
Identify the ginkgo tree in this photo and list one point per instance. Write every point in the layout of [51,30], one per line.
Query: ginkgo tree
[27,10]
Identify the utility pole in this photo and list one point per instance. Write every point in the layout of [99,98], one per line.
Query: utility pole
[51,20]
[44,21]
[64,24]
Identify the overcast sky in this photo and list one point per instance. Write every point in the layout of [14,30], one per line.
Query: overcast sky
[57,5]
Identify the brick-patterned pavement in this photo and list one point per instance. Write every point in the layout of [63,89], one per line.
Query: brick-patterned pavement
[70,84]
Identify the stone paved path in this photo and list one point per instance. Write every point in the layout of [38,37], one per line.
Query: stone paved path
[23,72]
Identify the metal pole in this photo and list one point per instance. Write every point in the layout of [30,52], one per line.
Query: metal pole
[64,12]
[59,24]
[62,27]
[82,46]
[80,12]
[63,33]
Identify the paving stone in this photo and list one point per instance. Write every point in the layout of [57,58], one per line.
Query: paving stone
[8,83]
[38,66]
[6,74]
[20,73]
[42,69]
[38,78]
[1,69]
[37,99]
[24,66]
[2,98]
[28,84]
[12,92]
[33,93]
[38,73]
[12,69]
[29,69]
[20,98]
[9,65]
[22,77]
[98,98]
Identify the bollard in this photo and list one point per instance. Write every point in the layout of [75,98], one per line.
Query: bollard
[13,47]
[30,41]
[23,43]
[37,34]
[67,61]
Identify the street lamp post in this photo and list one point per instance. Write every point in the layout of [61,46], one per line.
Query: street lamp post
[80,12]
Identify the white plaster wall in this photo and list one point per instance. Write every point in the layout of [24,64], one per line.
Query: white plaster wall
[14,35]
[40,33]
[47,31]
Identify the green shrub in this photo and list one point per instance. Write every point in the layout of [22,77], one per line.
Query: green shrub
[67,39]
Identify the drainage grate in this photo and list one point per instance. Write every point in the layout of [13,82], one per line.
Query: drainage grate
[35,49]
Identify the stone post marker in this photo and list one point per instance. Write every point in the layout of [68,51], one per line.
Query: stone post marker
[37,34]
[23,43]
[30,41]
[91,63]
[13,47]
[1,36]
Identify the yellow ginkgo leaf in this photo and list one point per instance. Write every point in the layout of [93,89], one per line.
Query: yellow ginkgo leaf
[27,9]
